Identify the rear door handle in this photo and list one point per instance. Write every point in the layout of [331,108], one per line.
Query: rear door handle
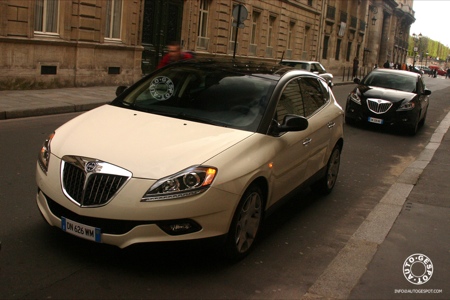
[306,141]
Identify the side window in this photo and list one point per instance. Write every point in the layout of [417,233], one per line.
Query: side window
[312,94]
[290,102]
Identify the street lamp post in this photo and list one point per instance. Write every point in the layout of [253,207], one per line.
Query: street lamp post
[426,60]
[416,49]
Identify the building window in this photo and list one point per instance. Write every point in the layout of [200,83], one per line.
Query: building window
[46,17]
[270,33]
[203,19]
[310,2]
[326,40]
[349,50]
[255,27]
[202,30]
[290,35]
[113,19]
[233,43]
[338,49]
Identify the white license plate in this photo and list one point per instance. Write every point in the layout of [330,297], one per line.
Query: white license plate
[375,120]
[81,230]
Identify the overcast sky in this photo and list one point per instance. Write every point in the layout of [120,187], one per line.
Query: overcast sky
[432,20]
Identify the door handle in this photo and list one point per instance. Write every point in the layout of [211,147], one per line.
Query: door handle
[331,124]
[306,141]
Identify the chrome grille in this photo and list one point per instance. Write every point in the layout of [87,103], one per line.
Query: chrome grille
[88,186]
[378,106]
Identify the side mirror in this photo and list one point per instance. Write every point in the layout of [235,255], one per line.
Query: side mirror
[356,80]
[293,123]
[427,92]
[120,89]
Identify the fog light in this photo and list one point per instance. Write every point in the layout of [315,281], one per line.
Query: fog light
[178,227]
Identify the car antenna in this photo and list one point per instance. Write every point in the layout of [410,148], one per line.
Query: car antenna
[282,55]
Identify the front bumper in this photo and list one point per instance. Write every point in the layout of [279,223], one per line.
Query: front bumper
[125,220]
[392,117]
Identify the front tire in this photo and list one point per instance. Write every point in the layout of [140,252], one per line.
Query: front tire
[246,224]
[326,184]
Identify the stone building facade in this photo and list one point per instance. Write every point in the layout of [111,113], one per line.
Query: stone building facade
[333,32]
[47,43]
[54,43]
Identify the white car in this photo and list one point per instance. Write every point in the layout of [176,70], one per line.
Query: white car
[197,149]
[311,66]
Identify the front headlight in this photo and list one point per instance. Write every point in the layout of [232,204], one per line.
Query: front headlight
[354,97]
[407,106]
[44,154]
[189,182]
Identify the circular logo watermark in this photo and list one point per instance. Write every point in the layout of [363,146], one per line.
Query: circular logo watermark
[418,268]
[161,88]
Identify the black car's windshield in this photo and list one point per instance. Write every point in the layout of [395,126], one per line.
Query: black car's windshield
[395,81]
[204,95]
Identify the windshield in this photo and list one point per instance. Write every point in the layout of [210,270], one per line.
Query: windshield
[393,81]
[208,95]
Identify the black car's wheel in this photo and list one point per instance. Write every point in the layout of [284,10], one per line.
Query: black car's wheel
[246,224]
[326,184]
[412,130]
[422,122]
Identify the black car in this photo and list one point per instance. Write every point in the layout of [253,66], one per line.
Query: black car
[389,97]
[416,70]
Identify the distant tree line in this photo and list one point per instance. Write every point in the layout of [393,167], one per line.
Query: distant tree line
[428,49]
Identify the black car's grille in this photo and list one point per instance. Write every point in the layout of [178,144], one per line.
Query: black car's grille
[378,106]
[89,188]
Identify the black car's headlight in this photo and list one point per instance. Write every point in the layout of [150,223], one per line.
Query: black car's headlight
[44,154]
[407,106]
[354,97]
[189,182]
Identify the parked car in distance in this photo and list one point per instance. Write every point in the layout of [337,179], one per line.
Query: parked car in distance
[198,149]
[416,70]
[311,66]
[439,70]
[426,70]
[389,97]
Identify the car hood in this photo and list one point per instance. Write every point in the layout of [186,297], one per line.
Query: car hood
[385,94]
[148,145]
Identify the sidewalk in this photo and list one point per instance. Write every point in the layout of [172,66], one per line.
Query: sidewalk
[30,103]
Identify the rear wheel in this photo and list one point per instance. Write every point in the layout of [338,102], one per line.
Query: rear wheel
[326,184]
[246,224]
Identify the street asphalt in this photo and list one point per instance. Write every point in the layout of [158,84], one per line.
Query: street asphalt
[412,218]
